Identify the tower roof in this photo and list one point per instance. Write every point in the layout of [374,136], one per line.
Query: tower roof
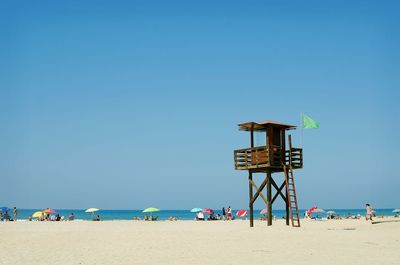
[263,125]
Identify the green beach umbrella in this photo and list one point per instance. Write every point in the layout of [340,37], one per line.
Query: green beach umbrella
[150,210]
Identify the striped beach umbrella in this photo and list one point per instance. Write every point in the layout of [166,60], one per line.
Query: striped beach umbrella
[309,211]
[318,210]
[241,213]
[208,211]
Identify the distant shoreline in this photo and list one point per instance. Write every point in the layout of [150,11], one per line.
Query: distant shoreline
[24,214]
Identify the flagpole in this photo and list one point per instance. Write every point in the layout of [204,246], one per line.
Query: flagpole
[301,124]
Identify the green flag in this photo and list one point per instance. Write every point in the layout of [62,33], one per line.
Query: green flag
[309,123]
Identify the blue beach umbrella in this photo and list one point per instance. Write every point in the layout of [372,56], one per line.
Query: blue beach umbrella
[196,210]
[4,209]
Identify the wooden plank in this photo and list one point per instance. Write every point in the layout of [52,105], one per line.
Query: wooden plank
[278,191]
[262,195]
[259,189]
[252,138]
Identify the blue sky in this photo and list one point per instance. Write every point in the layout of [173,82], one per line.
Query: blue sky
[129,104]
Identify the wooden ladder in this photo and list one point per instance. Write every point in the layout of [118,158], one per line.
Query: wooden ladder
[291,193]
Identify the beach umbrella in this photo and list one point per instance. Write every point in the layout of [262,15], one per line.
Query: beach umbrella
[196,210]
[37,214]
[309,211]
[208,211]
[92,210]
[150,210]
[330,212]
[318,210]
[396,210]
[4,209]
[48,210]
[241,213]
[264,211]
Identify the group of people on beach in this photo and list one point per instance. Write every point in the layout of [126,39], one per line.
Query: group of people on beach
[5,216]
[226,215]
[49,217]
[53,217]
[369,213]
[58,217]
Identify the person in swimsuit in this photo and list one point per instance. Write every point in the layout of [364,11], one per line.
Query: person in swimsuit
[229,213]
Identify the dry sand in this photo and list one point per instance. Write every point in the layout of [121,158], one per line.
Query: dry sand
[189,242]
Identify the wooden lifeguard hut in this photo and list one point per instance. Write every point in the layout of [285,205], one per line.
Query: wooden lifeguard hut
[269,159]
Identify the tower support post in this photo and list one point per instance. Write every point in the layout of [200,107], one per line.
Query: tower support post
[250,199]
[269,198]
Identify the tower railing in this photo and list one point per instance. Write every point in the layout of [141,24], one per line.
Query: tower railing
[294,157]
[267,157]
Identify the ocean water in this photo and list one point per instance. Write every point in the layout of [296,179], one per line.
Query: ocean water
[180,214]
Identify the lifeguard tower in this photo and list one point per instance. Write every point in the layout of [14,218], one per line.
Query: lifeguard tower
[271,158]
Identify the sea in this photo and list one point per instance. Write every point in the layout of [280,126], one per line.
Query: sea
[80,214]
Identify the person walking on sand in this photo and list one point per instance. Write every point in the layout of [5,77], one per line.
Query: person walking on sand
[224,213]
[229,213]
[369,212]
[15,213]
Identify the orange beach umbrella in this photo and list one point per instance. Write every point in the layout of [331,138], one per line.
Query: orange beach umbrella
[48,210]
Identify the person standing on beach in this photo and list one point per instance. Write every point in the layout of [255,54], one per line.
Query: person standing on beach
[369,212]
[15,213]
[224,213]
[229,213]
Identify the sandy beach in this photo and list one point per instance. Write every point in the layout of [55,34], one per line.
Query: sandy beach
[190,242]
